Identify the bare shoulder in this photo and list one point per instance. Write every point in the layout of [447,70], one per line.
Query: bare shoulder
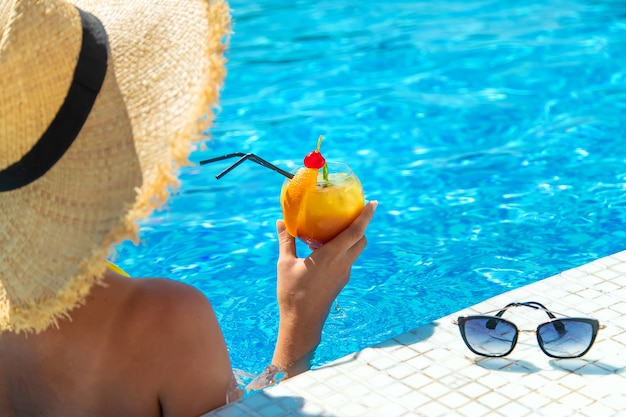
[179,325]
[169,297]
[175,312]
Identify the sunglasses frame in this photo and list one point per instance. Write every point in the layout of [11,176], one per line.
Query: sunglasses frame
[558,324]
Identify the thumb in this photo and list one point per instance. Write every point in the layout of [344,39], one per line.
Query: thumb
[286,242]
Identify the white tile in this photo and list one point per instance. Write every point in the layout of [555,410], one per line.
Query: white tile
[457,363]
[591,267]
[439,355]
[576,400]
[515,392]
[574,383]
[373,400]
[353,410]
[621,267]
[620,256]
[272,410]
[433,409]
[388,410]
[232,411]
[493,400]
[534,381]
[621,306]
[574,273]
[380,381]
[404,354]
[414,400]
[336,400]
[436,371]
[419,362]
[400,371]
[493,380]
[417,381]
[258,400]
[515,409]
[554,392]
[338,382]
[454,381]
[303,380]
[557,410]
[606,274]
[608,261]
[395,390]
[368,354]
[311,409]
[434,389]
[408,338]
[596,410]
[535,400]
[473,409]
[382,363]
[356,391]
[474,389]
[429,371]
[453,400]
[319,390]
[615,401]
[363,372]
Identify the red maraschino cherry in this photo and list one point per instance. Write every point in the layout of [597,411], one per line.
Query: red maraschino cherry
[314,159]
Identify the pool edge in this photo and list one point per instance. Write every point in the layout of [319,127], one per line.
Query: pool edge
[428,371]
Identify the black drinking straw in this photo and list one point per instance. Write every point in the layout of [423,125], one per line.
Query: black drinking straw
[242,157]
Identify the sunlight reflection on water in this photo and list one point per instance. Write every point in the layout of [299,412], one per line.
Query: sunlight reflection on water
[491,133]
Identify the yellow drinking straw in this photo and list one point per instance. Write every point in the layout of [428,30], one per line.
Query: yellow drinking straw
[112,267]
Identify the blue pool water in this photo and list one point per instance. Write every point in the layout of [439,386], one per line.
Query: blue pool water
[492,133]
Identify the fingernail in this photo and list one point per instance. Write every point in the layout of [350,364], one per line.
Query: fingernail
[374,204]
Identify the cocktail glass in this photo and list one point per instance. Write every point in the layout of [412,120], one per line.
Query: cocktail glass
[328,208]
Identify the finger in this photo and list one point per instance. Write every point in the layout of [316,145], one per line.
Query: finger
[356,231]
[355,251]
[286,242]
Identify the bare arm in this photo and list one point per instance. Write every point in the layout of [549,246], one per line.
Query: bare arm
[197,374]
[307,288]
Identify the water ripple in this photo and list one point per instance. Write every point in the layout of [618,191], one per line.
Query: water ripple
[491,133]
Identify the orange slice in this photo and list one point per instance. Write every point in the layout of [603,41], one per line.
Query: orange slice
[295,196]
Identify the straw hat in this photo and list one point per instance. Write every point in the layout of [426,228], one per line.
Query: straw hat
[100,103]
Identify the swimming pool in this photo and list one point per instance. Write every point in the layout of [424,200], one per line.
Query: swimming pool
[492,134]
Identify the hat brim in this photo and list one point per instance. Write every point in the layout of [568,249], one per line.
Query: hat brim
[166,69]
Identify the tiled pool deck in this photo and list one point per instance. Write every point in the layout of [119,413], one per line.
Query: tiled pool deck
[430,372]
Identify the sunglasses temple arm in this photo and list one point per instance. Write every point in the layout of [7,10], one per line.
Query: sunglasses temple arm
[532,304]
[542,307]
[506,307]
[558,326]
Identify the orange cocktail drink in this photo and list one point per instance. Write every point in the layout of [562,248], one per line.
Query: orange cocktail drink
[326,207]
[319,200]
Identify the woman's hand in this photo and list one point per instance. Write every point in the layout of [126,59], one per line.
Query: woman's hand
[308,286]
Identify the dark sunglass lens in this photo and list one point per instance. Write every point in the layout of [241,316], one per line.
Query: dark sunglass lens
[567,338]
[488,336]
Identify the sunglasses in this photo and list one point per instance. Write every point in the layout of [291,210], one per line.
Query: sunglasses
[563,338]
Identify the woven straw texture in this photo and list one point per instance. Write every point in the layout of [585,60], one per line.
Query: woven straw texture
[166,67]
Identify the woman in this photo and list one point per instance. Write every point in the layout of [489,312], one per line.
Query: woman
[100,103]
